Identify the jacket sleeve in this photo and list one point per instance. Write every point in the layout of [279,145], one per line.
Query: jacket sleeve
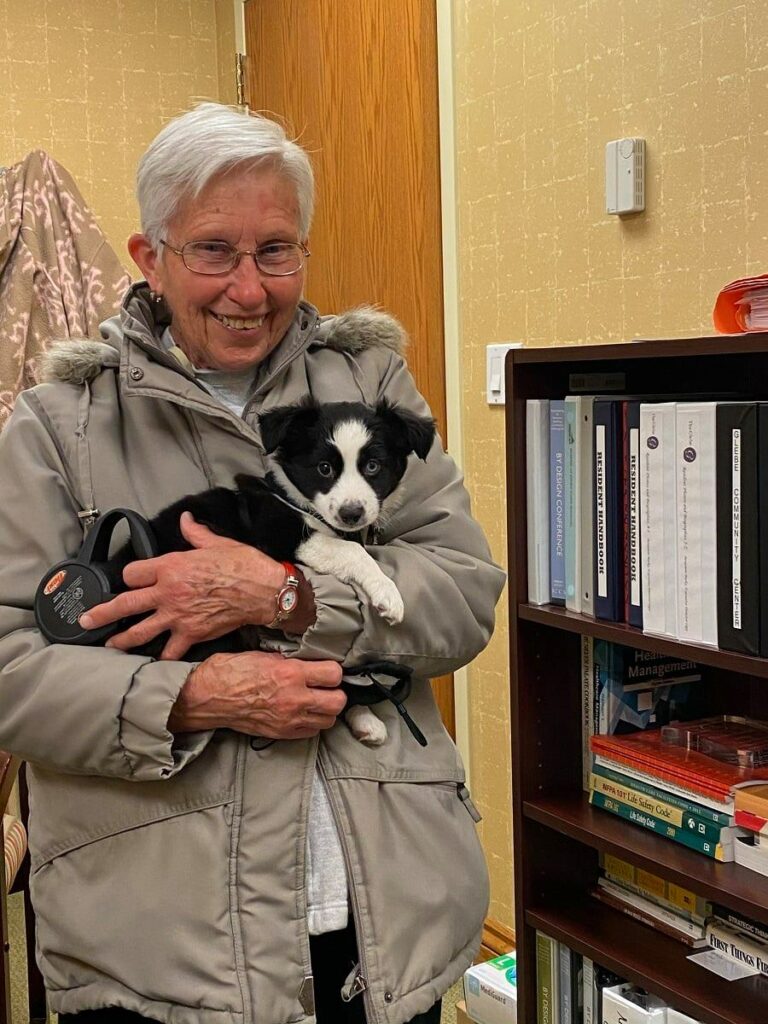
[85,710]
[434,551]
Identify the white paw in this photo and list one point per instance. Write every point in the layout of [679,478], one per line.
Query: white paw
[387,601]
[366,726]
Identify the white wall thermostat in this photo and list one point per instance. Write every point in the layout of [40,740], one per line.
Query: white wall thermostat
[625,176]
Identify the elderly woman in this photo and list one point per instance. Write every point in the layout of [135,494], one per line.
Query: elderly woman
[182,872]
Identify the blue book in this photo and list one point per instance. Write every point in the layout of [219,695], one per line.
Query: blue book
[557,502]
[609,507]
[572,507]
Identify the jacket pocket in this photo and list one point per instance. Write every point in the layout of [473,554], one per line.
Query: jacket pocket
[418,870]
[131,882]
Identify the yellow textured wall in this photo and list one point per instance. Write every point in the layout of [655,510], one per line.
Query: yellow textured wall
[541,86]
[92,81]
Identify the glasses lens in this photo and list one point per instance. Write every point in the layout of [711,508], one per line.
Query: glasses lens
[209,257]
[280,258]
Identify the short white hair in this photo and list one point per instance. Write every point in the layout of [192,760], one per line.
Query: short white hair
[194,147]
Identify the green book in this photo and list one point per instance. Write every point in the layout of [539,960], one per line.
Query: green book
[717,849]
[547,976]
[721,818]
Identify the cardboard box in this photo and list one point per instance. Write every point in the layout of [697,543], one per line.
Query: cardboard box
[623,1004]
[462,1017]
[490,991]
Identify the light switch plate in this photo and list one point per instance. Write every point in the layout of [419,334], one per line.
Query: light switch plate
[494,370]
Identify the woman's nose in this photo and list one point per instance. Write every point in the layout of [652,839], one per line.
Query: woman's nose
[247,282]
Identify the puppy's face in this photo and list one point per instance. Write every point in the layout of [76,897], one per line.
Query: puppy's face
[345,458]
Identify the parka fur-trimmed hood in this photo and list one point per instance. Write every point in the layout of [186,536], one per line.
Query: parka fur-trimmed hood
[80,361]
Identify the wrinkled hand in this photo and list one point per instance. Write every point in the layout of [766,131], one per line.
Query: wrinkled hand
[195,595]
[260,694]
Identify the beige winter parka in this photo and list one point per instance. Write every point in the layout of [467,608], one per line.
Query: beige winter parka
[168,872]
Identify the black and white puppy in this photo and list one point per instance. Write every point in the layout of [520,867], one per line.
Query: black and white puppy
[336,471]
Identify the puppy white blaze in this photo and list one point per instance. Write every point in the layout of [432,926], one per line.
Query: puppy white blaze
[351,487]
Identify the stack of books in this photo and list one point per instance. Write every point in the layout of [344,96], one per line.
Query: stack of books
[751,814]
[679,781]
[664,906]
[652,513]
[739,938]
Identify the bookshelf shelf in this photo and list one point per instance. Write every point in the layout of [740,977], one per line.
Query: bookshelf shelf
[620,633]
[634,951]
[558,836]
[573,816]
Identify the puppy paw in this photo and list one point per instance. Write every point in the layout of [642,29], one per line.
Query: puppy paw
[366,726]
[387,601]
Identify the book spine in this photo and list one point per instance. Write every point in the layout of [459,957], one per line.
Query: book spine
[691,929]
[762,525]
[564,984]
[738,618]
[547,1002]
[696,523]
[744,924]
[557,502]
[660,809]
[738,945]
[640,915]
[586,438]
[609,588]
[588,989]
[656,889]
[633,606]
[702,796]
[587,707]
[577,993]
[658,537]
[537,498]
[653,824]
[699,810]
[572,506]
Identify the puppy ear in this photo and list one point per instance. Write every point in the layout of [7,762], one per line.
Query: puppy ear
[277,424]
[413,433]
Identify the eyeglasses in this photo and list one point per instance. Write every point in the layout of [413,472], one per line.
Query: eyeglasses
[277,259]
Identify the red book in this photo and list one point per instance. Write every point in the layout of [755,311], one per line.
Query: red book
[645,752]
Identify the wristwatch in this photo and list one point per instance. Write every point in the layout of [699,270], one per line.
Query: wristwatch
[287,597]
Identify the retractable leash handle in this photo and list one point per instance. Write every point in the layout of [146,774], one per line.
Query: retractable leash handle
[78,584]
[374,691]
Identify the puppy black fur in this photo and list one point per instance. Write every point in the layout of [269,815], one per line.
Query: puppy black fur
[298,440]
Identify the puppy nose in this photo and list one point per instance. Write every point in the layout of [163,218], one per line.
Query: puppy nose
[351,513]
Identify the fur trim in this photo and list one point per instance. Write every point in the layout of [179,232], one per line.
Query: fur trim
[76,362]
[362,328]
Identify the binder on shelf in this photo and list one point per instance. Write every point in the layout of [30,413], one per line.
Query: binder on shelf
[573,550]
[633,607]
[658,532]
[557,501]
[608,531]
[537,498]
[696,523]
[585,443]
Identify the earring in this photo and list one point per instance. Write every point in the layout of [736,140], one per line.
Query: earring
[155,297]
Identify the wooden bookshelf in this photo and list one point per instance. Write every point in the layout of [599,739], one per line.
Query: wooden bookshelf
[558,836]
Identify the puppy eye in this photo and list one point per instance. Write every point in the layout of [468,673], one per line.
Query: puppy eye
[324,468]
[372,467]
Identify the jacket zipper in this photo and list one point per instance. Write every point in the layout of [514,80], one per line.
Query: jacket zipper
[357,982]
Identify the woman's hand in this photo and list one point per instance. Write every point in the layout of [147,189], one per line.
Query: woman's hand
[199,595]
[260,694]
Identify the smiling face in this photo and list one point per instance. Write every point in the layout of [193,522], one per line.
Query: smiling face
[229,321]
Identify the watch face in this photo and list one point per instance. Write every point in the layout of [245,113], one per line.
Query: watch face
[287,600]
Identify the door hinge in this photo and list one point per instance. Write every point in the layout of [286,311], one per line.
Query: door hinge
[240,59]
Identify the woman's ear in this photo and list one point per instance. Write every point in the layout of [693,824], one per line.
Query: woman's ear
[146,259]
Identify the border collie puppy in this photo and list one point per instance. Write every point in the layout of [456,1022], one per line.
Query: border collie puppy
[335,471]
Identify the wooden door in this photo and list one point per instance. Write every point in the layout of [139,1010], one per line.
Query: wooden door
[355,81]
